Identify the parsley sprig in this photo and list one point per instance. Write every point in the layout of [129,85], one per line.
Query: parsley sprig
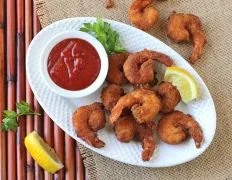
[105,34]
[10,118]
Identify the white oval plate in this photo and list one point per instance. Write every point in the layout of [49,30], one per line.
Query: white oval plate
[60,109]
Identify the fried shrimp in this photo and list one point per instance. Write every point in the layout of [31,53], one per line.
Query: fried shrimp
[110,95]
[87,120]
[145,134]
[144,105]
[175,127]
[169,96]
[125,128]
[142,15]
[115,74]
[183,27]
[138,67]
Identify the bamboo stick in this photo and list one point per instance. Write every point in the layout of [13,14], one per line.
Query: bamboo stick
[86,175]
[2,90]
[11,75]
[21,151]
[38,120]
[29,94]
[69,158]
[79,165]
[59,148]
[59,143]
[48,137]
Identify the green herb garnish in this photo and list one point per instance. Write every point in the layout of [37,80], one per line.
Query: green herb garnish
[105,34]
[10,118]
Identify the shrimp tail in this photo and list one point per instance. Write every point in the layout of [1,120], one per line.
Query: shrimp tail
[93,140]
[149,146]
[196,132]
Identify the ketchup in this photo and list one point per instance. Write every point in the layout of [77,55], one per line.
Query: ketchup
[73,64]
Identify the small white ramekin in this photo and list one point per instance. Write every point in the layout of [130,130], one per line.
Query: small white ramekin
[103,60]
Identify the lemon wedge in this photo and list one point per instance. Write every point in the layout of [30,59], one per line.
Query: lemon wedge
[42,153]
[184,82]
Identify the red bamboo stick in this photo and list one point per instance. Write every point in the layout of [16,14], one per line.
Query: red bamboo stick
[21,151]
[59,148]
[69,158]
[2,90]
[11,75]
[29,94]
[38,120]
[79,165]
[86,175]
[48,137]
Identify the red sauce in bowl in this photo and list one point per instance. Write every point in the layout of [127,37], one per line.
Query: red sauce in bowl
[73,64]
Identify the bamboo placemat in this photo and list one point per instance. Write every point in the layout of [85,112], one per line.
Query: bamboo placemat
[214,67]
[18,24]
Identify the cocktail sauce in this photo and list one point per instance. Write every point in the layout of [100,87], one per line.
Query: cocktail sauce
[74,64]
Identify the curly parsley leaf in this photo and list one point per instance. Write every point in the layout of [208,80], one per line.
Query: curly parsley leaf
[9,124]
[10,114]
[10,118]
[105,34]
[24,109]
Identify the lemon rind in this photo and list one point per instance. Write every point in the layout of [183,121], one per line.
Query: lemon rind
[34,140]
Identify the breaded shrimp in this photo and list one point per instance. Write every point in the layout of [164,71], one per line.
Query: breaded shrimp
[87,120]
[144,105]
[115,74]
[143,15]
[175,127]
[125,128]
[169,96]
[110,95]
[145,134]
[138,67]
[183,27]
